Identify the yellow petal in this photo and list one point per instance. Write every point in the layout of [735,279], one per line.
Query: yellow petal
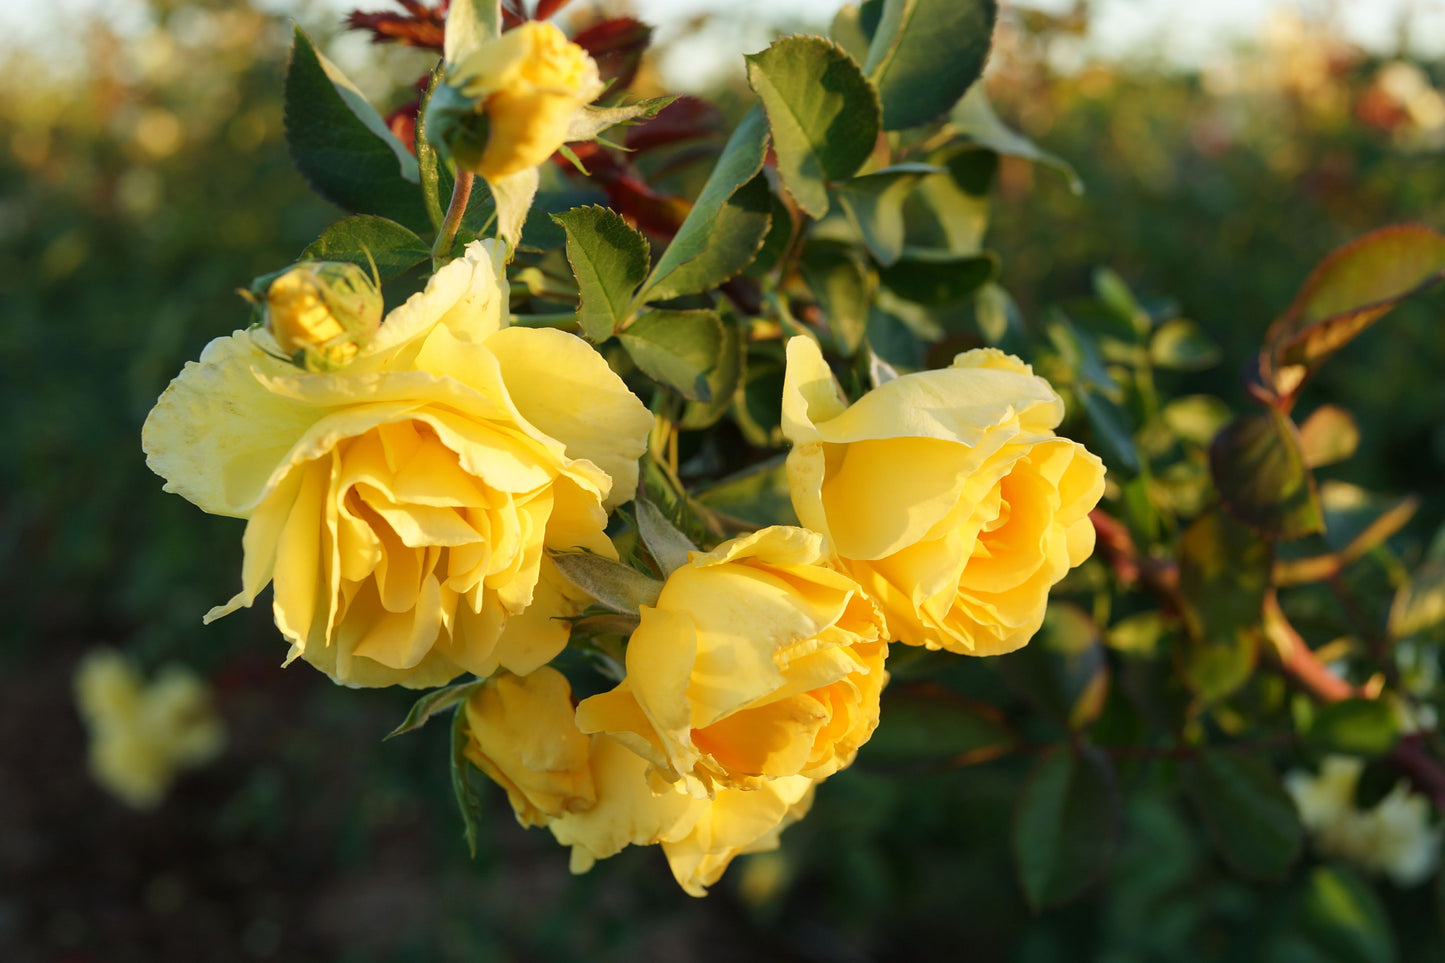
[810,393]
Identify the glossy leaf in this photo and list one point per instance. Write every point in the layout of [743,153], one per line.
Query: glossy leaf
[822,111]
[609,259]
[1350,290]
[342,146]
[709,225]
[677,348]
[1245,810]
[616,586]
[1065,825]
[925,54]
[392,248]
[1260,471]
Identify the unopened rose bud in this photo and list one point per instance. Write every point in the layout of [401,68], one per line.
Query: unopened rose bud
[321,313]
[507,104]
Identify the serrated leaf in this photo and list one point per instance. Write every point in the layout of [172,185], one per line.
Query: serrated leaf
[590,121]
[465,777]
[1356,727]
[1259,469]
[1182,345]
[925,54]
[435,701]
[741,160]
[822,111]
[974,117]
[610,259]
[677,348]
[723,381]
[740,228]
[1352,288]
[342,146]
[668,546]
[616,586]
[1224,575]
[928,724]
[1329,435]
[393,248]
[1249,817]
[1065,825]
[470,23]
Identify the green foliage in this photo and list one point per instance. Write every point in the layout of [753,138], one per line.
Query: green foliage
[677,348]
[610,260]
[925,54]
[823,114]
[1259,466]
[366,239]
[342,145]
[615,586]
[1249,818]
[1065,825]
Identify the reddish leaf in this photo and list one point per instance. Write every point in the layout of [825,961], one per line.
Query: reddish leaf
[617,46]
[420,26]
[1350,290]
[686,118]
[545,8]
[659,215]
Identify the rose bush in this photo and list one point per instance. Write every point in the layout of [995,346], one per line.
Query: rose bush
[757,663]
[946,494]
[403,503]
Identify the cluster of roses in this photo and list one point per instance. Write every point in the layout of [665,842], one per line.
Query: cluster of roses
[406,483]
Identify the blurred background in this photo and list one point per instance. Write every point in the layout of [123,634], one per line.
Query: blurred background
[1224,148]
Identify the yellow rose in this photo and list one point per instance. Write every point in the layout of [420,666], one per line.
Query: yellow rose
[142,735]
[521,733]
[403,504]
[529,82]
[595,795]
[946,494]
[757,663]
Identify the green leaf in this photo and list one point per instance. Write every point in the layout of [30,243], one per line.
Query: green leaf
[465,779]
[1065,826]
[342,146]
[844,291]
[759,404]
[1350,290]
[1063,671]
[928,724]
[677,348]
[1182,345]
[925,54]
[757,496]
[1329,435]
[874,203]
[668,546]
[1341,920]
[470,23]
[939,282]
[975,118]
[1117,297]
[513,197]
[713,224]
[947,212]
[1356,727]
[590,121]
[822,111]
[1419,605]
[435,701]
[723,381]
[610,259]
[616,586]
[1196,418]
[393,248]
[1109,425]
[1249,818]
[1259,469]
[1224,575]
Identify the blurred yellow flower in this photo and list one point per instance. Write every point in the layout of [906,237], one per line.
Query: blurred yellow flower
[529,82]
[946,494]
[321,313]
[757,663]
[142,735]
[403,504]
[595,794]
[1394,837]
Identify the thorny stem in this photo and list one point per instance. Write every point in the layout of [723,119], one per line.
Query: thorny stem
[461,193]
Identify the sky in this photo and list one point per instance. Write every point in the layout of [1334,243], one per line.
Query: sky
[1189,32]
